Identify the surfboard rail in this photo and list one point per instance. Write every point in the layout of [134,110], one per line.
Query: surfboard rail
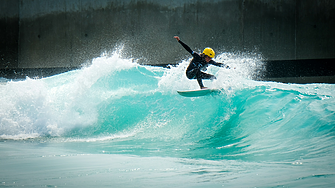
[197,92]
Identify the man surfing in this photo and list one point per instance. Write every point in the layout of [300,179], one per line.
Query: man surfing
[199,64]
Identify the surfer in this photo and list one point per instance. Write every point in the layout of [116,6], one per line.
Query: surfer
[199,64]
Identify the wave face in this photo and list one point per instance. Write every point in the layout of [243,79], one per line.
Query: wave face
[117,106]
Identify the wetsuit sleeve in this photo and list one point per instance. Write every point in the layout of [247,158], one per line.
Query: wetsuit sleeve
[219,64]
[187,48]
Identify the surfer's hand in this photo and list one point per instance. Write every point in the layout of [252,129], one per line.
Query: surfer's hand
[176,37]
[225,66]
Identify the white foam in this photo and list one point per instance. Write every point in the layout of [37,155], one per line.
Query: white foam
[51,106]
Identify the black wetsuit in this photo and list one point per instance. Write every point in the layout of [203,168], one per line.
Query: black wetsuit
[197,65]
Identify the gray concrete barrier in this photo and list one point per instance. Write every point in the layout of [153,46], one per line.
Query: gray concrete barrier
[67,33]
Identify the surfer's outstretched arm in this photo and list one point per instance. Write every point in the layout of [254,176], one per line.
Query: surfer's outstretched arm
[187,48]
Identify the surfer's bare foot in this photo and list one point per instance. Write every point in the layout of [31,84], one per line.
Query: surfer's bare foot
[204,87]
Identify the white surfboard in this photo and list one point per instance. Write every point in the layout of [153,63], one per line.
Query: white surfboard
[197,92]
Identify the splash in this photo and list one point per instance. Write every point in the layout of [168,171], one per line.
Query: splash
[54,105]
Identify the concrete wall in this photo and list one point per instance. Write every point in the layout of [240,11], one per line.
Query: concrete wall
[66,33]
[9,33]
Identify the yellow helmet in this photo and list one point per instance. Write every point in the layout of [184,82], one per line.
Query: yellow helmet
[209,52]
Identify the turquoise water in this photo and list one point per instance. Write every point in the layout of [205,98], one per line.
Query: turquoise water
[119,124]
